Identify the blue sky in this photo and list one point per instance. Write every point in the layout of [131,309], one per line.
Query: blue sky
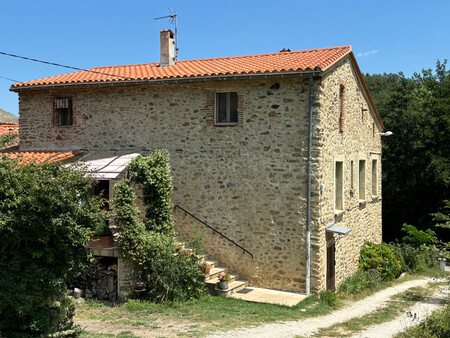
[386,36]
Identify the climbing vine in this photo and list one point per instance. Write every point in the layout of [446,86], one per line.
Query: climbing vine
[149,243]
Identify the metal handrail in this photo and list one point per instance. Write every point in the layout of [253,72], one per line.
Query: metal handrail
[214,230]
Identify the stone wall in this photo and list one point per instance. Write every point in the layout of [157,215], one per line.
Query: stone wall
[248,181]
[359,140]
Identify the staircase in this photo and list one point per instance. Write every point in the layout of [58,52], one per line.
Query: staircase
[212,279]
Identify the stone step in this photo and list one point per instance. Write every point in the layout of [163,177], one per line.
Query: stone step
[214,273]
[233,287]
[215,280]
[212,278]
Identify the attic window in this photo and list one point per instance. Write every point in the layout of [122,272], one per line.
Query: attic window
[226,108]
[62,109]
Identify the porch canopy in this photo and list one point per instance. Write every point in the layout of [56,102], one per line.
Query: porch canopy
[105,166]
[338,230]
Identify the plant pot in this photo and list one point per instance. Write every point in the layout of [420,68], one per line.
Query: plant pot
[207,269]
[101,241]
[223,285]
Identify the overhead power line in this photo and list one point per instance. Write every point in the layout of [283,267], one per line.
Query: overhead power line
[64,66]
[6,78]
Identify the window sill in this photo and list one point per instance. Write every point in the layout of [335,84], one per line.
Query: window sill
[225,124]
[375,197]
[65,126]
[362,202]
[338,212]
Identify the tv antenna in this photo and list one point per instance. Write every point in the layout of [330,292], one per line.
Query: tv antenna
[173,20]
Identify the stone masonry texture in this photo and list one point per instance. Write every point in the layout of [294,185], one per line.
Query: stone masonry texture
[248,180]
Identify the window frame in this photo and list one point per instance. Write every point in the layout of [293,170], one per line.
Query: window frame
[362,181]
[374,177]
[58,112]
[352,176]
[338,186]
[228,121]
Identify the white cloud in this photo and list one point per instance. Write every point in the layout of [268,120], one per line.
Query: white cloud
[368,53]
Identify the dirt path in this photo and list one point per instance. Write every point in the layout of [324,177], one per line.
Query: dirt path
[413,316]
[310,326]
[160,328]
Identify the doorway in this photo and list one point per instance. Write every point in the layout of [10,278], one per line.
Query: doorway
[331,263]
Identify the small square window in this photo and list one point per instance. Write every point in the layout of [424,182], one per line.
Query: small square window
[62,108]
[226,108]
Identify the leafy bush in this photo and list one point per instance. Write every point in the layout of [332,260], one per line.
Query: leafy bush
[412,258]
[150,244]
[47,215]
[418,237]
[382,258]
[358,282]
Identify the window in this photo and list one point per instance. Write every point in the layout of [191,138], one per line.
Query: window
[341,107]
[226,108]
[351,176]
[62,108]
[362,180]
[338,186]
[374,177]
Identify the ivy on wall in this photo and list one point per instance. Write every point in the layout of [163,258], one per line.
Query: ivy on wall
[150,243]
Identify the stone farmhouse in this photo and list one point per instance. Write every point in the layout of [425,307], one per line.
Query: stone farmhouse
[280,152]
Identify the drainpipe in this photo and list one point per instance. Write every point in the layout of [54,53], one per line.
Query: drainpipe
[308,189]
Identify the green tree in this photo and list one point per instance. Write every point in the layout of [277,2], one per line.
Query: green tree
[46,218]
[416,159]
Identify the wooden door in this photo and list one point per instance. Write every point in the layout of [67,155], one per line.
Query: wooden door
[331,263]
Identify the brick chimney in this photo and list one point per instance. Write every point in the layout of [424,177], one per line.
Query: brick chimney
[167,48]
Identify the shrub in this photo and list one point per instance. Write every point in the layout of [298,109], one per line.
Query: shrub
[416,259]
[418,238]
[382,258]
[358,282]
[47,215]
[412,258]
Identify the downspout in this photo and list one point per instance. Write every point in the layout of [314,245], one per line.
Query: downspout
[308,189]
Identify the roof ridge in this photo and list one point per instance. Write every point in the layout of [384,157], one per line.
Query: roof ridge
[231,57]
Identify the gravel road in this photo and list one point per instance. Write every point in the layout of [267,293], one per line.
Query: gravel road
[310,326]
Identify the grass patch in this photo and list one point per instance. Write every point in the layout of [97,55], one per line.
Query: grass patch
[208,314]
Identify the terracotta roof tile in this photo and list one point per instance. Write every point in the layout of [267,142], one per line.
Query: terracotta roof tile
[306,60]
[40,156]
[8,128]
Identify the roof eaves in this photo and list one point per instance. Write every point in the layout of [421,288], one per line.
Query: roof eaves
[168,80]
[366,89]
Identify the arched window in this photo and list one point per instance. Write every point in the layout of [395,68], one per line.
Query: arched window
[341,107]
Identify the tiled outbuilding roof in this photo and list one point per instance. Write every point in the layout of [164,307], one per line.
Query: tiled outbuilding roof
[40,156]
[8,128]
[282,62]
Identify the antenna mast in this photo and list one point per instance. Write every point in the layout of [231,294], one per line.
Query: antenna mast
[173,20]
